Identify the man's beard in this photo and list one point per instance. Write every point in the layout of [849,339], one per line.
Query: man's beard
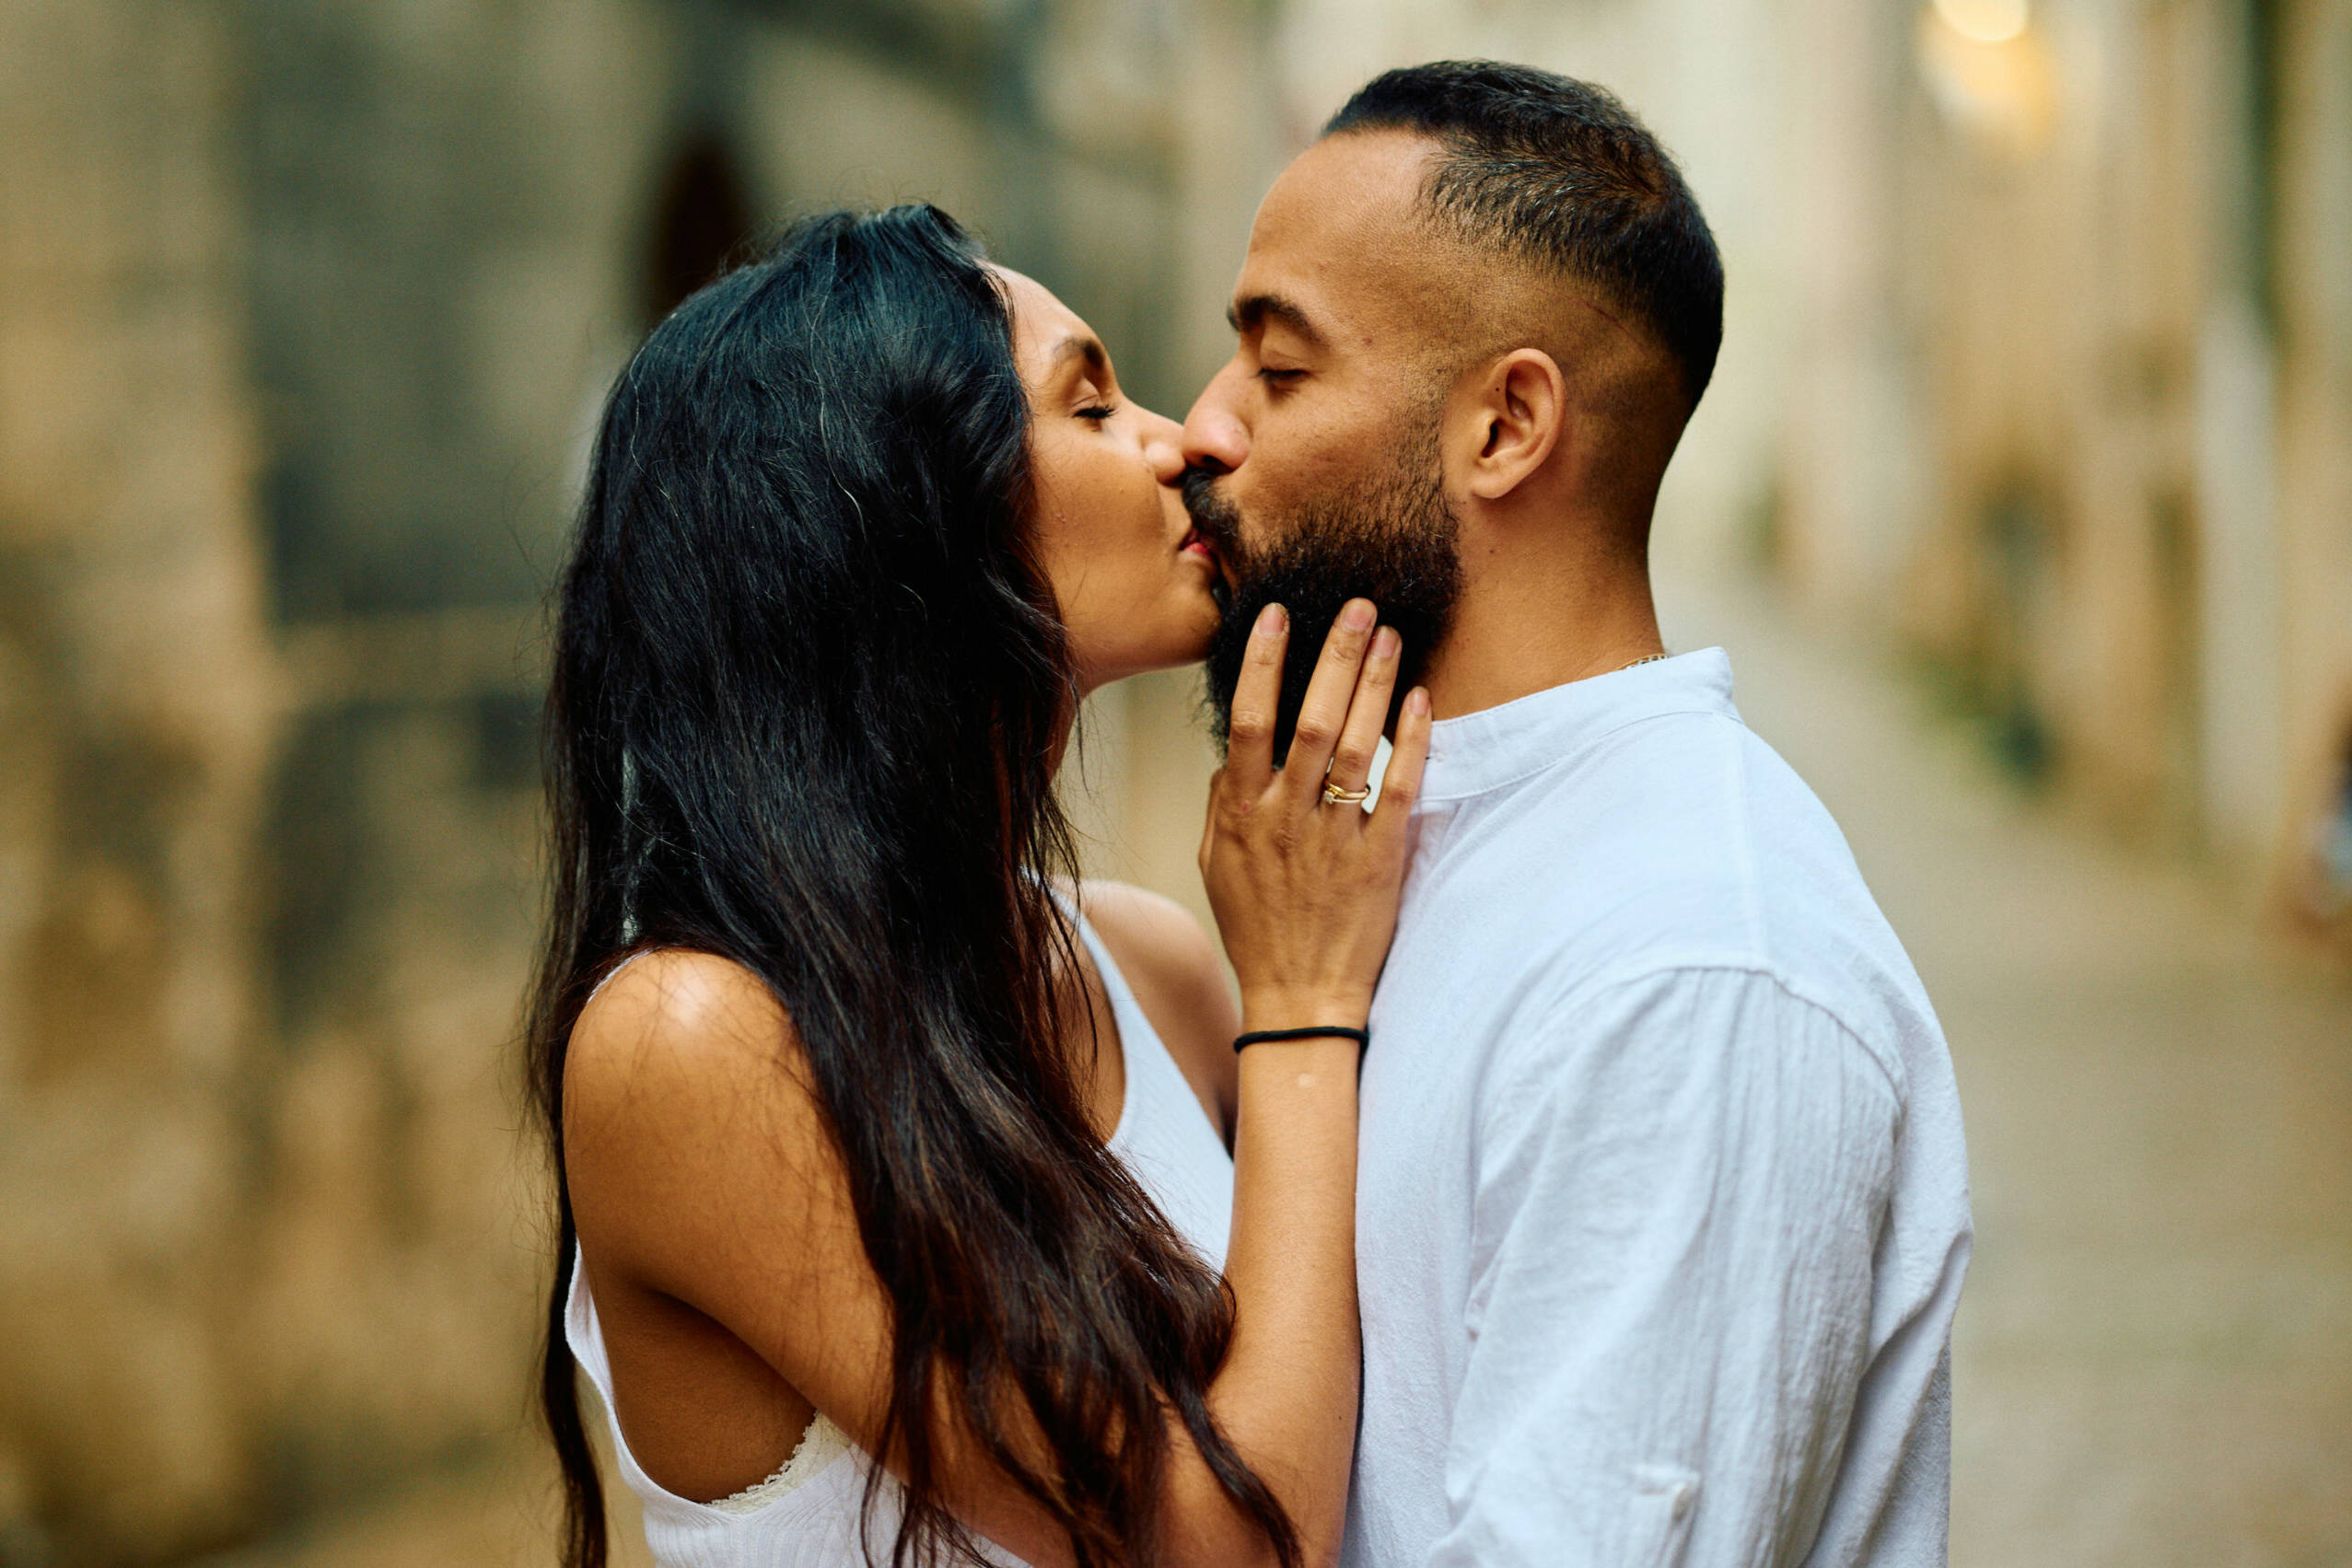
[1390,539]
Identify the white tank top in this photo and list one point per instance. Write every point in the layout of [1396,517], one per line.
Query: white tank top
[806,1515]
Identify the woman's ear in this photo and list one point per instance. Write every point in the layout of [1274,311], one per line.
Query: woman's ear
[1518,412]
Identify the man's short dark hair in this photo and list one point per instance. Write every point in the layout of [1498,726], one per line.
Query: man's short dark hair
[1559,173]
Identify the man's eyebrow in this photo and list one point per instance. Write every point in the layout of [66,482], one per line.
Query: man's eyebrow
[1249,315]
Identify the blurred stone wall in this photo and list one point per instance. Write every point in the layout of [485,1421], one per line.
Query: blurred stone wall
[2310,314]
[2079,269]
[136,693]
[306,310]
[441,205]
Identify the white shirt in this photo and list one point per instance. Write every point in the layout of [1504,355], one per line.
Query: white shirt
[1662,1201]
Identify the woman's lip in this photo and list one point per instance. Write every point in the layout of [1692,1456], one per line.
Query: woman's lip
[1192,543]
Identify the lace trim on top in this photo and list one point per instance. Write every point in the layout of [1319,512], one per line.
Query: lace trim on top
[818,1447]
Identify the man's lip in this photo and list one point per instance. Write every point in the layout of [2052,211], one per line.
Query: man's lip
[1217,563]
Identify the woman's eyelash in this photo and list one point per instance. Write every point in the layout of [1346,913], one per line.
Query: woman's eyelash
[1097,411]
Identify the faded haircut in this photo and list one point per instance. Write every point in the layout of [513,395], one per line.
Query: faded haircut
[1557,173]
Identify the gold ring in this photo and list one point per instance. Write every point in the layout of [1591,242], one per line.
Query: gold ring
[1334,796]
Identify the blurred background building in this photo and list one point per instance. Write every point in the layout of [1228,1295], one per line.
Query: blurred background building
[2023,498]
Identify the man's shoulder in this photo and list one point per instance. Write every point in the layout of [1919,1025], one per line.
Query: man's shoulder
[1688,772]
[1641,844]
[1681,846]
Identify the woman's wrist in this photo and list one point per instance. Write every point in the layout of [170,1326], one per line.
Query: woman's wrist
[1286,1009]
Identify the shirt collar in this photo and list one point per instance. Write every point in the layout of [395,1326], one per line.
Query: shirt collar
[1499,746]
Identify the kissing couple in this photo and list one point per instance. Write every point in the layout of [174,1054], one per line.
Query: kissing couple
[1575,1176]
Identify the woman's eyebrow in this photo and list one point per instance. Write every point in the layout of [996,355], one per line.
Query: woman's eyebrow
[1082,346]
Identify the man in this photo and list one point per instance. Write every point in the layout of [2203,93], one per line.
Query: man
[1663,1206]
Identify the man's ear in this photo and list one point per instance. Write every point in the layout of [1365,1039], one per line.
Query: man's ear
[1516,414]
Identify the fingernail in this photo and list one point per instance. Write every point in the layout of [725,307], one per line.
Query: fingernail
[1385,642]
[1416,702]
[1357,615]
[1271,622]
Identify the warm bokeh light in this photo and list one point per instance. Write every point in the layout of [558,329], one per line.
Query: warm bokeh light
[1987,21]
[2004,91]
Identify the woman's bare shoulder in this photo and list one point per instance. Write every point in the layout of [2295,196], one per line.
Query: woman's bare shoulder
[675,1021]
[1179,977]
[684,1079]
[703,1171]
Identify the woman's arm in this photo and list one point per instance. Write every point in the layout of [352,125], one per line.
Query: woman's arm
[1305,893]
[702,1170]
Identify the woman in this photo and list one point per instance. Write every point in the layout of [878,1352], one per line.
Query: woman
[874,1134]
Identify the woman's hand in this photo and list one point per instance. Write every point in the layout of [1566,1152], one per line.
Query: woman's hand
[1305,889]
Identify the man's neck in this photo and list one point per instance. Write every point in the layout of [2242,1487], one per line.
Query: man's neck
[1516,632]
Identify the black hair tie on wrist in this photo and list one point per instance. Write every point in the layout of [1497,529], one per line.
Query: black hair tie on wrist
[1313,1031]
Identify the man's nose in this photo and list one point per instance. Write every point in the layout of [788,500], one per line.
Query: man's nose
[1215,437]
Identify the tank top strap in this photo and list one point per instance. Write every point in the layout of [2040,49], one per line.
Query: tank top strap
[585,1336]
[1139,1043]
[1164,1135]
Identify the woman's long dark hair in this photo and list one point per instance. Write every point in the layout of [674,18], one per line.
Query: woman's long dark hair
[808,685]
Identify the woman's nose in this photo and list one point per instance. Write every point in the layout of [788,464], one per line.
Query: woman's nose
[1164,449]
[1215,437]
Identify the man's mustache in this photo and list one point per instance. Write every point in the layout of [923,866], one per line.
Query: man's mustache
[1215,517]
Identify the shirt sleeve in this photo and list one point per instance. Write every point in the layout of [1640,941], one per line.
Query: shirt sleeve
[1677,1206]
